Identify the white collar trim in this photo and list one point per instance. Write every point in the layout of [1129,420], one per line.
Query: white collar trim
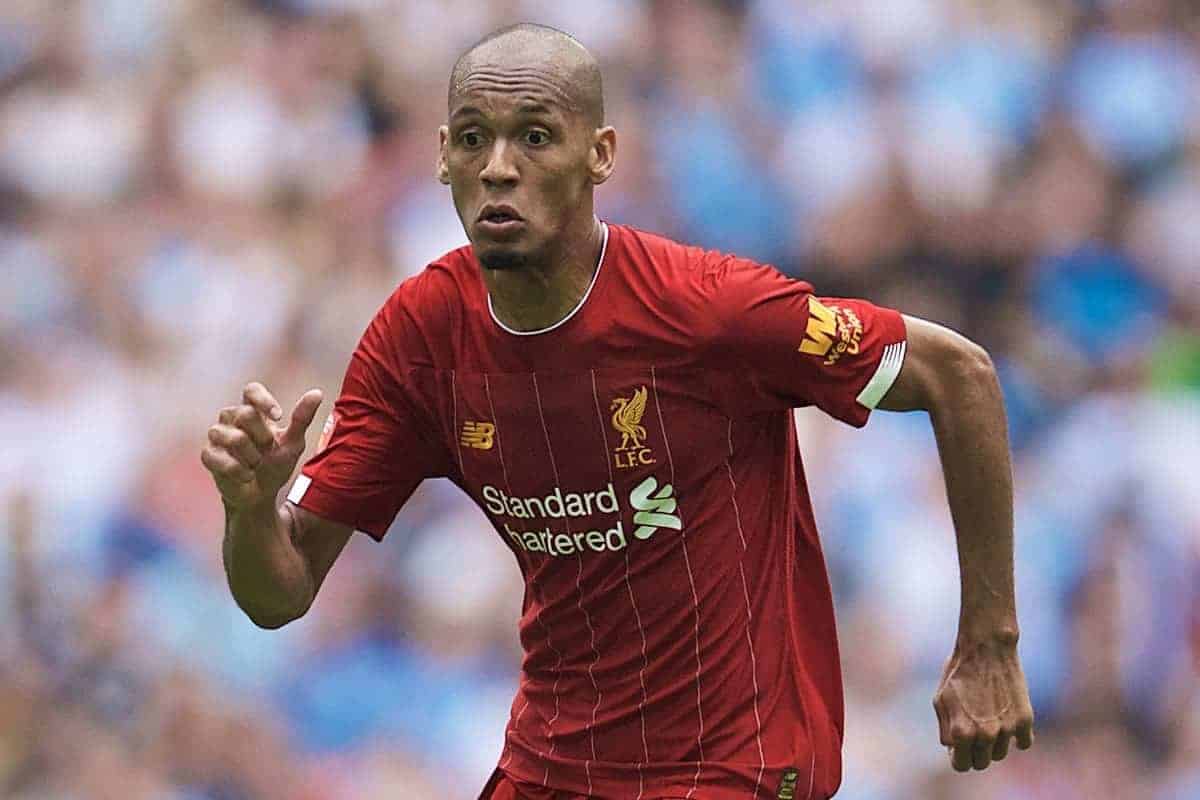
[574,311]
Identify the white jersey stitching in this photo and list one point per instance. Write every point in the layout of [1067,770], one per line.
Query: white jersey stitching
[587,764]
[632,600]
[737,514]
[487,389]
[691,582]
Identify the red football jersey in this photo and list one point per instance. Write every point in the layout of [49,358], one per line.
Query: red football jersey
[640,461]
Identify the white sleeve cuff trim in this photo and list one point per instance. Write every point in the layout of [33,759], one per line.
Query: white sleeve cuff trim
[299,488]
[884,377]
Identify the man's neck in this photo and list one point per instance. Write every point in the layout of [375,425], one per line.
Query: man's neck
[540,296]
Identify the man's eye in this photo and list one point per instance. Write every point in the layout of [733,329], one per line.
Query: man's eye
[471,139]
[537,138]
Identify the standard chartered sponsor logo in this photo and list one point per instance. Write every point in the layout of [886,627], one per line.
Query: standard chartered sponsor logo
[555,505]
[654,507]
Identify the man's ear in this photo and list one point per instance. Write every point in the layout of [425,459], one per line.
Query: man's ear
[443,168]
[602,157]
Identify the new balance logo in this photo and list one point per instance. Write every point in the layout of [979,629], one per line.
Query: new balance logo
[479,435]
[653,509]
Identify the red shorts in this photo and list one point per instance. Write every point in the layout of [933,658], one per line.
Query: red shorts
[502,787]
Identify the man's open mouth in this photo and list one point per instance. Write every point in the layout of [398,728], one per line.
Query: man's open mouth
[499,215]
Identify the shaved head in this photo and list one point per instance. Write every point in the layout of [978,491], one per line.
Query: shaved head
[571,72]
[523,148]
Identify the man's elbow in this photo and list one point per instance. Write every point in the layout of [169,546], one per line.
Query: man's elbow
[271,623]
[973,363]
[942,369]
[271,620]
[966,378]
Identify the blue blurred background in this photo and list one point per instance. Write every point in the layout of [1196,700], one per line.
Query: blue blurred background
[198,193]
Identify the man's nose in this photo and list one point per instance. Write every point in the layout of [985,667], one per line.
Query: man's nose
[501,167]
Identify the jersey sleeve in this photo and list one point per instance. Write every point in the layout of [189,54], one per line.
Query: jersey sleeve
[790,348]
[377,445]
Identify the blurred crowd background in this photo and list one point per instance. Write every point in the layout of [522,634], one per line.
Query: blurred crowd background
[199,193]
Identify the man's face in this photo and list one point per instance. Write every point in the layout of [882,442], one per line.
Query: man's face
[520,165]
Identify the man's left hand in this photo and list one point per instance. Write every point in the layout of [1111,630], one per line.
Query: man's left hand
[983,704]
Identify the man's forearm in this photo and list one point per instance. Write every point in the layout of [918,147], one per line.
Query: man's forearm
[982,702]
[972,437]
[268,576]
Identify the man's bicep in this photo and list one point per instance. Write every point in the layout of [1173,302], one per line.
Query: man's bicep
[320,541]
[932,352]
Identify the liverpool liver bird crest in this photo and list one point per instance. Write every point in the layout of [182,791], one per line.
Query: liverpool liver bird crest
[627,419]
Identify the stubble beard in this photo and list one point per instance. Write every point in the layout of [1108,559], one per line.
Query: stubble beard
[503,260]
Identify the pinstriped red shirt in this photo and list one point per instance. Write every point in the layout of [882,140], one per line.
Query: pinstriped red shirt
[639,460]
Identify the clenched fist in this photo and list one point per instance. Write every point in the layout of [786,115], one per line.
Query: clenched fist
[982,705]
[252,450]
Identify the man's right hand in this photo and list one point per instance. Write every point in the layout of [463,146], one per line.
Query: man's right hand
[252,450]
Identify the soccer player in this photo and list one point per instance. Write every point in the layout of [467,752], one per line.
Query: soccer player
[620,407]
